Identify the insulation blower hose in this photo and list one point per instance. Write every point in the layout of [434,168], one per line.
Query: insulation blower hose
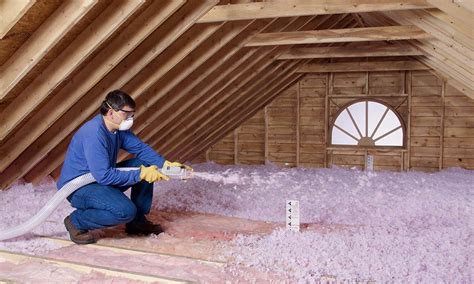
[52,204]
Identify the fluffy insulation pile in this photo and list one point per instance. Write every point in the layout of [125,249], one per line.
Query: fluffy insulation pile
[381,226]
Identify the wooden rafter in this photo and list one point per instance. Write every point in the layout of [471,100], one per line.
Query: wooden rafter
[169,109]
[231,73]
[11,12]
[286,81]
[456,24]
[461,10]
[443,58]
[224,94]
[218,114]
[339,35]
[55,138]
[66,63]
[275,9]
[446,46]
[161,85]
[84,81]
[38,45]
[362,66]
[360,50]
[156,69]
[221,113]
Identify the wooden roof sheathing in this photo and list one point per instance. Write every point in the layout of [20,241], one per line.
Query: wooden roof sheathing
[197,69]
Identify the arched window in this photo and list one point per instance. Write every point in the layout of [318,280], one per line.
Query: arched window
[367,123]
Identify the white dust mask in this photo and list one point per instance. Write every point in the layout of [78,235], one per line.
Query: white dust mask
[126,124]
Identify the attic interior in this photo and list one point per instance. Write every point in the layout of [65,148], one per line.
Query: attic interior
[244,88]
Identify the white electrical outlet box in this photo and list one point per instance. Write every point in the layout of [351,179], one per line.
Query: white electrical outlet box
[293,215]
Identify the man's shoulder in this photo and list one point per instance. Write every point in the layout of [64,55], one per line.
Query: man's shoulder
[91,128]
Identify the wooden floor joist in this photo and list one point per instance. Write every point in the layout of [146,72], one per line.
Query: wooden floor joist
[132,251]
[19,258]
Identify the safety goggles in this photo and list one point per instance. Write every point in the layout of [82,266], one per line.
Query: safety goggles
[129,113]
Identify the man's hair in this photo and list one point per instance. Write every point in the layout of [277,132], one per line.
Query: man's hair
[117,100]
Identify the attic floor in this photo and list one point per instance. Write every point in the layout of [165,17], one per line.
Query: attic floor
[191,250]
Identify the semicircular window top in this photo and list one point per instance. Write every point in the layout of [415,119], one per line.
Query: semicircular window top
[367,123]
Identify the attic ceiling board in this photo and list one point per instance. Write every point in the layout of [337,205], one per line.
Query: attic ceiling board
[24,27]
[38,45]
[47,142]
[439,53]
[362,66]
[232,68]
[236,102]
[261,10]
[228,95]
[360,50]
[64,65]
[11,12]
[188,66]
[339,35]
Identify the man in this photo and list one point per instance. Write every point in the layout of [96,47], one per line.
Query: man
[94,148]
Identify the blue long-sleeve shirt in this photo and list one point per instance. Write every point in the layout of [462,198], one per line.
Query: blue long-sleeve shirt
[94,149]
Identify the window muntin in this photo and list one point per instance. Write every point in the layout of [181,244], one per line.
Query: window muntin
[367,123]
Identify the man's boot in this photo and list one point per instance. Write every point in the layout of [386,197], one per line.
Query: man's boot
[78,236]
[143,228]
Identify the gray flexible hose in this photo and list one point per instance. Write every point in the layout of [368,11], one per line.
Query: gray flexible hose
[54,202]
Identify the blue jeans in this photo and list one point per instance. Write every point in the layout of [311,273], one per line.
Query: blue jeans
[98,206]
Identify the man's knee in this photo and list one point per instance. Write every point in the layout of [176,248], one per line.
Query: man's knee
[126,212]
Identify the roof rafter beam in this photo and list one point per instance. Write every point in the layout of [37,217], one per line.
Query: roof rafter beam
[339,35]
[362,66]
[442,63]
[460,10]
[160,29]
[223,112]
[285,80]
[84,45]
[11,12]
[225,96]
[360,50]
[38,45]
[167,111]
[276,9]
[284,83]
[268,78]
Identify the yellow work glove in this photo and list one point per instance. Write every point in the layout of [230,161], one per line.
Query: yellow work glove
[176,164]
[151,174]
